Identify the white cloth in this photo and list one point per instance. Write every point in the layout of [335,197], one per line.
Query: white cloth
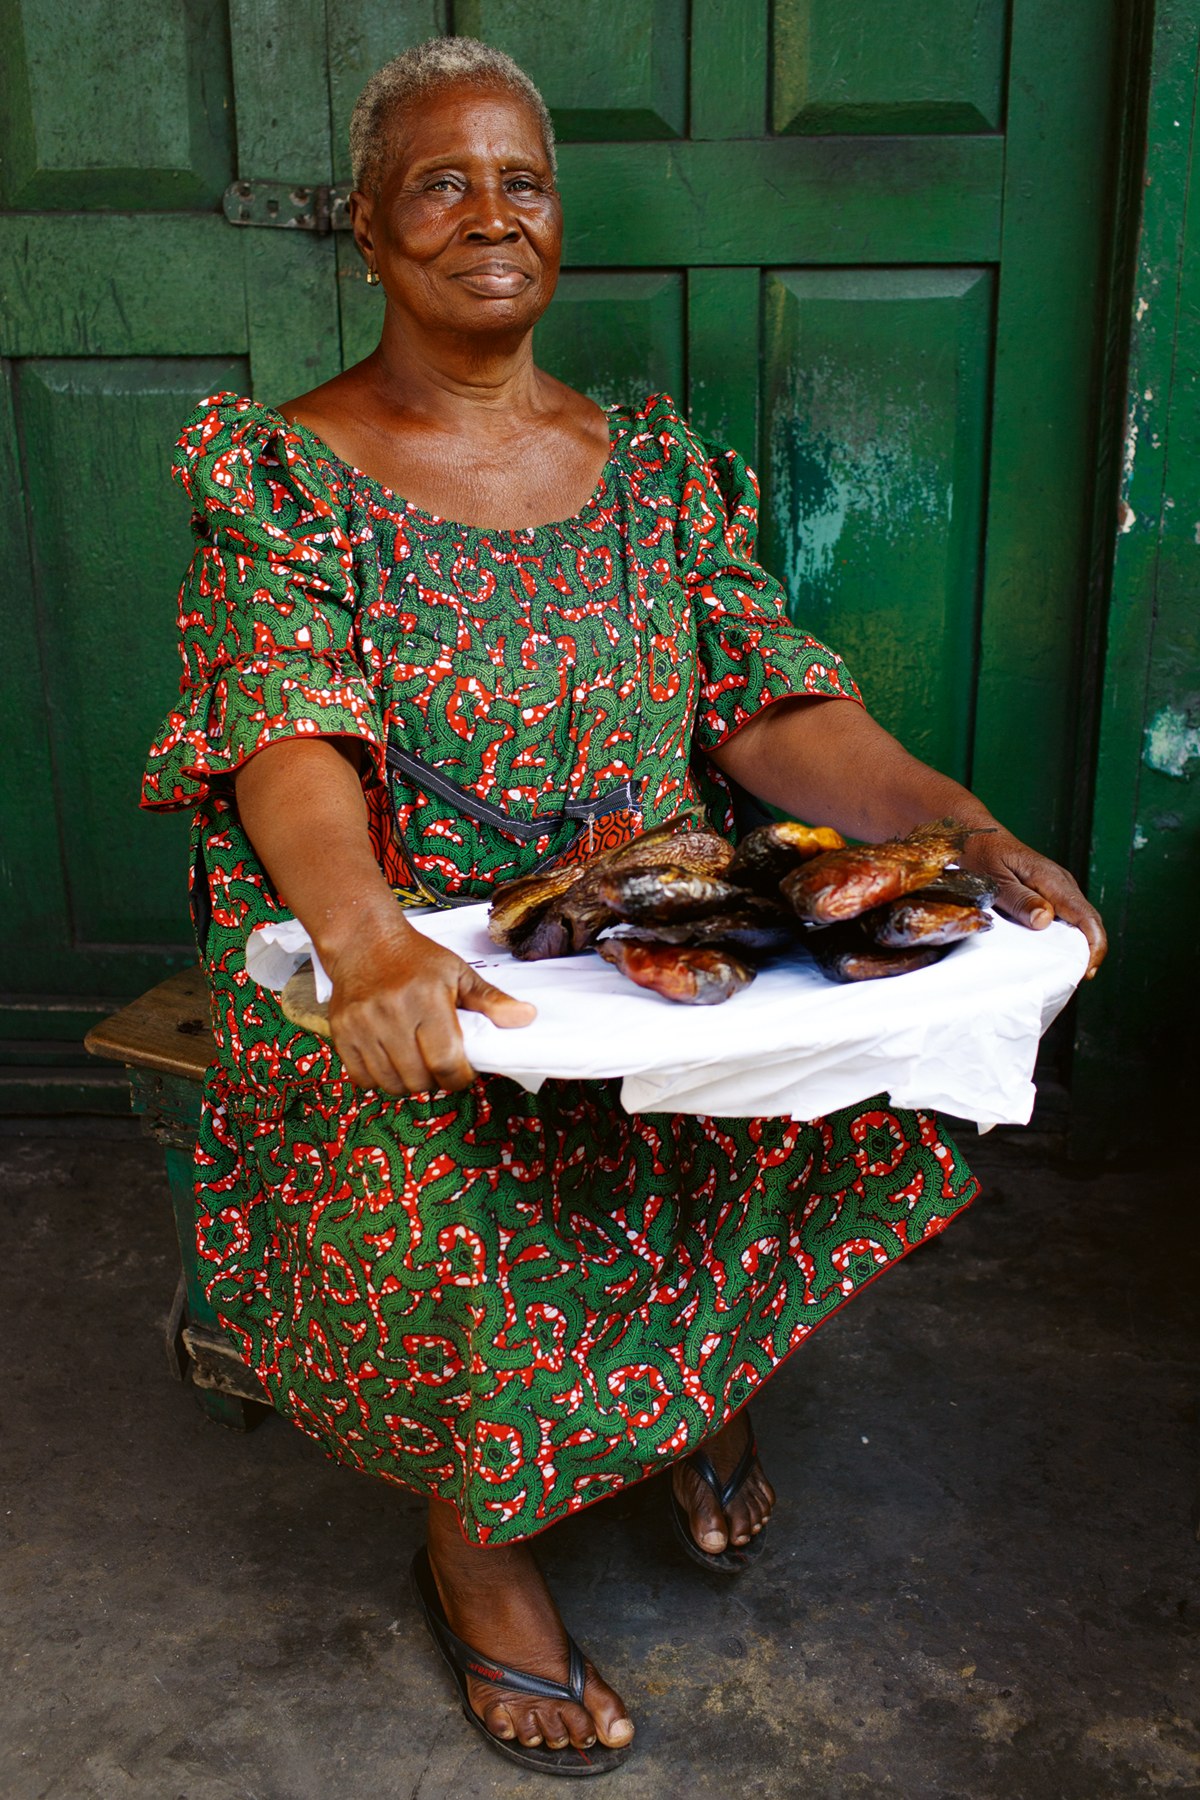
[275,952]
[960,1037]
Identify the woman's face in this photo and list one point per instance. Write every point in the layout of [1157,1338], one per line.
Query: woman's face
[466,229]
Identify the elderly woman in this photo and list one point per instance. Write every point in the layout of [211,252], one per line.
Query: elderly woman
[439,593]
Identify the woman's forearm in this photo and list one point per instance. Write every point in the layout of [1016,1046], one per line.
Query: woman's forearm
[301,803]
[829,762]
[396,993]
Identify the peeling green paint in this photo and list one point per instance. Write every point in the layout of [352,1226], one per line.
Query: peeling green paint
[837,452]
[1172,742]
[873,445]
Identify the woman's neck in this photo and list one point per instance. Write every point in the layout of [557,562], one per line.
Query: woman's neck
[473,433]
[480,388]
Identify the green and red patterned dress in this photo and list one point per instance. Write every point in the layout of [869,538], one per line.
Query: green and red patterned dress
[515,1302]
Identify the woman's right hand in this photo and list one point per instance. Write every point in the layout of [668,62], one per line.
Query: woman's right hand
[392,1016]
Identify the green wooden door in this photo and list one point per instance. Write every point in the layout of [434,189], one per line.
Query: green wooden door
[1138,1055]
[870,256]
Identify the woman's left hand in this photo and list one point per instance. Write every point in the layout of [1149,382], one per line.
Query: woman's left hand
[1034,891]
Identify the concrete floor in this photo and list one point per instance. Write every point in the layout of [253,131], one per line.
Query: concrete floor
[981,1582]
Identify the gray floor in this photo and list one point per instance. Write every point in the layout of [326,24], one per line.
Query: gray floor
[981,1583]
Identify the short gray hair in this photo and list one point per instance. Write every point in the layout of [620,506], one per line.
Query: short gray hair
[439,62]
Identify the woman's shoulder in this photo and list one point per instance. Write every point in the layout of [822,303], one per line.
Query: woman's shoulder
[656,419]
[236,452]
[656,435]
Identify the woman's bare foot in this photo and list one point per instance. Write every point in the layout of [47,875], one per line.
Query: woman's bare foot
[498,1602]
[750,1507]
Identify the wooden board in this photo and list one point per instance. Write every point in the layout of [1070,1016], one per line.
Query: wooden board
[167,1030]
[300,1004]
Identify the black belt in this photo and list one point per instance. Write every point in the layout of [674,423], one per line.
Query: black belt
[419,773]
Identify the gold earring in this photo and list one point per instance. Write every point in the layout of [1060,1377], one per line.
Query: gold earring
[372,277]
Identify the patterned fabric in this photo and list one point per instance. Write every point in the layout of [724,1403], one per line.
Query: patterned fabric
[516,1303]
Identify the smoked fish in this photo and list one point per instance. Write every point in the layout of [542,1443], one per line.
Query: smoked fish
[558,911]
[847,953]
[918,919]
[697,851]
[841,884]
[518,905]
[754,929]
[690,977]
[664,894]
[768,853]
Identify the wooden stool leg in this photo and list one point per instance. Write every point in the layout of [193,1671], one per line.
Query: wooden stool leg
[167,1047]
[226,1408]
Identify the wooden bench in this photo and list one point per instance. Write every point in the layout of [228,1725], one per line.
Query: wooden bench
[166,1043]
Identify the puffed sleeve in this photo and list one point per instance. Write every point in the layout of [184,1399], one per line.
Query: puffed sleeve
[750,652]
[267,610]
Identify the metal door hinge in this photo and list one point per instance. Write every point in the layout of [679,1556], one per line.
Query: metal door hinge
[277,203]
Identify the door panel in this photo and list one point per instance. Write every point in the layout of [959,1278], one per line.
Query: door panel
[855,200]
[289,278]
[854,66]
[82,284]
[360,307]
[110,542]
[292,318]
[608,69]
[362,36]
[117,103]
[1037,643]
[31,878]
[723,356]
[875,403]
[729,68]
[282,82]
[615,336]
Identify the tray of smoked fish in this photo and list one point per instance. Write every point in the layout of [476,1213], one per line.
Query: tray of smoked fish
[790,976]
[786,978]
[680,911]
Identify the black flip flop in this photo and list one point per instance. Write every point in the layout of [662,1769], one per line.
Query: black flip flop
[462,1660]
[735,1557]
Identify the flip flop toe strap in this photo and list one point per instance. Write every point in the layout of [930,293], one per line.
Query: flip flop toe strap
[708,1475]
[472,1662]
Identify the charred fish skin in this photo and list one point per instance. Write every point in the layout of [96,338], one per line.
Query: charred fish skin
[700,852]
[918,920]
[527,918]
[546,936]
[880,965]
[664,895]
[517,905]
[961,887]
[846,953]
[689,977]
[755,935]
[769,852]
[842,884]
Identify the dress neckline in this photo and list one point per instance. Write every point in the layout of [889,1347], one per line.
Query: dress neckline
[617,432]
